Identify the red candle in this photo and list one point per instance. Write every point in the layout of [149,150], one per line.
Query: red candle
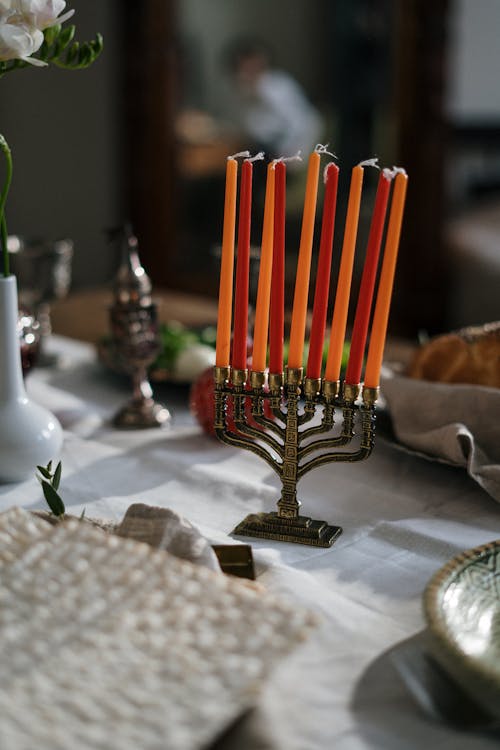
[364,305]
[239,359]
[277,322]
[322,289]
[342,294]
[262,305]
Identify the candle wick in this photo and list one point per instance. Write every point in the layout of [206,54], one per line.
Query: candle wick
[370,163]
[323,149]
[389,174]
[325,171]
[295,157]
[257,157]
[245,154]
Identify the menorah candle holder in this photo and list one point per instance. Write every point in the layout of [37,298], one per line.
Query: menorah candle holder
[287,445]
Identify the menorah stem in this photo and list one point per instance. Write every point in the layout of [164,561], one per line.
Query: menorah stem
[288,505]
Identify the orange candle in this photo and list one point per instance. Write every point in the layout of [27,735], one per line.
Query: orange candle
[381,314]
[223,341]
[341,307]
[299,311]
[261,325]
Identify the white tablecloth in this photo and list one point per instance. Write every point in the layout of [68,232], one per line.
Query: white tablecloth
[403,517]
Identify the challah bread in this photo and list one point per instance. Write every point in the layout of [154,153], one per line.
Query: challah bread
[471,355]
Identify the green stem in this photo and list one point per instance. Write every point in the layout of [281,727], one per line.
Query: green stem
[4,147]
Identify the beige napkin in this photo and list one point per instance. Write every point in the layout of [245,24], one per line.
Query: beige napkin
[162,528]
[453,422]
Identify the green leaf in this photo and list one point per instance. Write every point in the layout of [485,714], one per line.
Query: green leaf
[98,44]
[51,34]
[84,56]
[43,51]
[45,472]
[72,54]
[57,476]
[63,39]
[67,35]
[54,502]
[49,466]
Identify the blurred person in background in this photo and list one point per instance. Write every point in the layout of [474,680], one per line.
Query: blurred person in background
[268,107]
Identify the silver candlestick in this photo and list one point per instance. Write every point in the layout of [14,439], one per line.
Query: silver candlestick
[135,338]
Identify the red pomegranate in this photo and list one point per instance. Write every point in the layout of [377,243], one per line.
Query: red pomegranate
[201,404]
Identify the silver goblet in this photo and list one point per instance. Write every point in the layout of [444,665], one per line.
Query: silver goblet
[43,272]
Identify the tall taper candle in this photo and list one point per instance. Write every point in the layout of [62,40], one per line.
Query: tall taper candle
[341,307]
[365,298]
[323,272]
[261,326]
[383,303]
[239,358]
[277,319]
[300,299]
[223,341]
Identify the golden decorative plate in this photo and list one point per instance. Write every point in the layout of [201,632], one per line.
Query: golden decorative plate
[462,606]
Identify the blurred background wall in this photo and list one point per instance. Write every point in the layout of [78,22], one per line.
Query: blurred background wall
[140,135]
[65,129]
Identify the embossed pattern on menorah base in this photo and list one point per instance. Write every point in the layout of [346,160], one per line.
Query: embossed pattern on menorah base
[282,446]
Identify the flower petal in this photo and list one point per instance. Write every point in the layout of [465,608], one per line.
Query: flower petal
[18,41]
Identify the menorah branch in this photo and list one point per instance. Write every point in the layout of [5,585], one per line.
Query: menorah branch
[235,440]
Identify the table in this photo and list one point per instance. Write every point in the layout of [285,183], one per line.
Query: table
[84,315]
[403,517]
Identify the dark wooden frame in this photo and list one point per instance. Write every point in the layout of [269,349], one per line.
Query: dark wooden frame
[149,153]
[421,292]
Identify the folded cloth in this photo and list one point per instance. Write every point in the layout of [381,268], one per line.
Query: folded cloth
[457,423]
[164,529]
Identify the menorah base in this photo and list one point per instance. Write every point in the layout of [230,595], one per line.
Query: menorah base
[299,530]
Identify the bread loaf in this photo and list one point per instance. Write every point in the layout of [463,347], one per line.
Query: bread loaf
[471,355]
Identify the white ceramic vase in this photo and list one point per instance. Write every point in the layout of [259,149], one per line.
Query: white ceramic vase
[29,434]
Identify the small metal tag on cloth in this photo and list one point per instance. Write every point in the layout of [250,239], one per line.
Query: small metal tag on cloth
[236,559]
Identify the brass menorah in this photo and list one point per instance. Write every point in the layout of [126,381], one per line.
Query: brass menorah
[289,447]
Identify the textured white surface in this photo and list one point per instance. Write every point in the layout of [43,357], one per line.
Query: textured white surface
[107,643]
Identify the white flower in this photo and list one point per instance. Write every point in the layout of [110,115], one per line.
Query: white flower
[22,23]
[18,42]
[42,13]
